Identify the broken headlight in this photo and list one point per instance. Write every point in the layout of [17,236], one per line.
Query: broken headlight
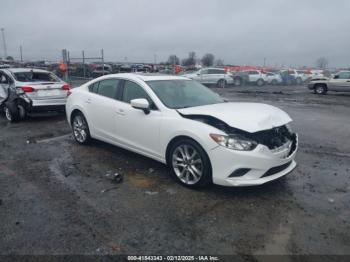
[234,142]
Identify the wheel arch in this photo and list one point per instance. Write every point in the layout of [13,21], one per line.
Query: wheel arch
[178,137]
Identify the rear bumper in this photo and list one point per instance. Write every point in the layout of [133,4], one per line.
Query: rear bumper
[47,108]
[48,105]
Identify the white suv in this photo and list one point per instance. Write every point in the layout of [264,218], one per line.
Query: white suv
[257,77]
[212,76]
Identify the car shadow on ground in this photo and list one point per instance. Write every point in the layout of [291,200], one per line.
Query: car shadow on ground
[165,176]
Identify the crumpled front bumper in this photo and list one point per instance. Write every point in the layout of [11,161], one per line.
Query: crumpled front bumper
[260,165]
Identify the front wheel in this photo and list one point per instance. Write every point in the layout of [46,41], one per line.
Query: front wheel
[320,89]
[190,163]
[80,128]
[260,82]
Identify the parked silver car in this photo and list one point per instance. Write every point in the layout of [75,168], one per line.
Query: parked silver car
[340,82]
[212,76]
[26,90]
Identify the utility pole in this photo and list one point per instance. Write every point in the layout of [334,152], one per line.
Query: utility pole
[103,62]
[264,61]
[21,53]
[155,59]
[4,42]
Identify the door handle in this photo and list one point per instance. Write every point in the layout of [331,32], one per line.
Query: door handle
[120,112]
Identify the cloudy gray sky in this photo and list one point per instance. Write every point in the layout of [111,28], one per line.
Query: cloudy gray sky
[286,32]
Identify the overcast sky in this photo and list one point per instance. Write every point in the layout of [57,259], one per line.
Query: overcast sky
[286,32]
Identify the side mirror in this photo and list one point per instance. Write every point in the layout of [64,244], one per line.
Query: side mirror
[336,77]
[142,104]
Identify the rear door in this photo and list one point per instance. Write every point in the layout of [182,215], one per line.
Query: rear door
[101,104]
[340,82]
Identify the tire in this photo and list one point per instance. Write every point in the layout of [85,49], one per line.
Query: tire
[298,81]
[238,81]
[221,83]
[190,164]
[260,82]
[320,89]
[274,82]
[12,113]
[80,129]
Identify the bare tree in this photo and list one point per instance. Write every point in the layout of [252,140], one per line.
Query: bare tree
[322,63]
[173,60]
[208,60]
[191,60]
[219,62]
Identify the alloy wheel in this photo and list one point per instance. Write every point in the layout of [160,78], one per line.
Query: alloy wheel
[187,164]
[80,129]
[8,114]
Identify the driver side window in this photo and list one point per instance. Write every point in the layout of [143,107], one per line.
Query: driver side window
[134,91]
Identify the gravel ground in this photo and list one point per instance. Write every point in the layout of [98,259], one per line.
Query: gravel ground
[57,197]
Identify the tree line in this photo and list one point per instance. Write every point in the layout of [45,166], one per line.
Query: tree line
[207,60]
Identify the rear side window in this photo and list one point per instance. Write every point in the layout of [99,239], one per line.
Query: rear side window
[108,88]
[93,87]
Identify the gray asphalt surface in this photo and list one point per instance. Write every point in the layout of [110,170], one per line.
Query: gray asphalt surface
[56,196]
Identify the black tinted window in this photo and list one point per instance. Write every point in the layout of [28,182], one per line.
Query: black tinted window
[35,77]
[134,91]
[108,88]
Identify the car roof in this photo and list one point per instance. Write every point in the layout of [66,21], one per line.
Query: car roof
[16,70]
[147,77]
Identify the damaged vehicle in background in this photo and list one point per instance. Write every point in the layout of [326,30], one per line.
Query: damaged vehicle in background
[182,123]
[24,91]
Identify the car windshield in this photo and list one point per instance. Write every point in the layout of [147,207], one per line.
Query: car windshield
[183,93]
[35,77]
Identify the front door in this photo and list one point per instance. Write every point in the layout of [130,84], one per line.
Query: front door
[101,106]
[340,82]
[136,129]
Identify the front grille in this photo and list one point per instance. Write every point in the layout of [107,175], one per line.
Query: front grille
[276,169]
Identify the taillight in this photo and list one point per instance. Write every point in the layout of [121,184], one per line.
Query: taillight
[69,93]
[65,87]
[27,89]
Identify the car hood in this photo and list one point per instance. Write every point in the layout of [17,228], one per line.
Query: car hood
[250,117]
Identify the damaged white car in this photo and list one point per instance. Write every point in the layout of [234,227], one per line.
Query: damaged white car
[182,123]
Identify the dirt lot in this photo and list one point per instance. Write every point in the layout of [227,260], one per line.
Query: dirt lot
[56,196]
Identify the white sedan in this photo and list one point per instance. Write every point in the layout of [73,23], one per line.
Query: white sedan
[182,123]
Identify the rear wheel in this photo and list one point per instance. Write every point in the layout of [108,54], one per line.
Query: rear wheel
[221,83]
[190,163]
[11,112]
[80,128]
[274,82]
[320,89]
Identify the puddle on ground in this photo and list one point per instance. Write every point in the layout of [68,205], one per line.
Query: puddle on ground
[139,180]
